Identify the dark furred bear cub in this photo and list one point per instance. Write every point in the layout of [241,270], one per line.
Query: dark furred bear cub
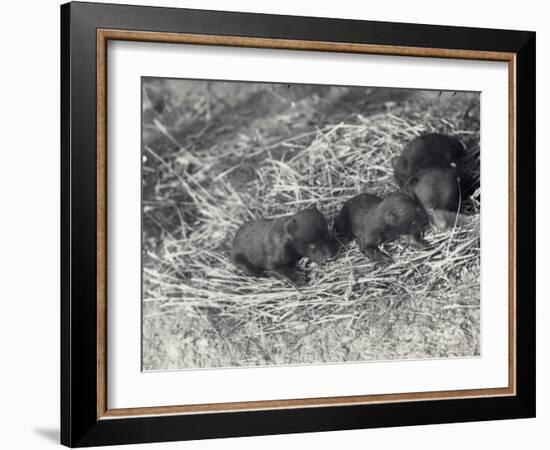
[438,191]
[426,152]
[275,245]
[373,221]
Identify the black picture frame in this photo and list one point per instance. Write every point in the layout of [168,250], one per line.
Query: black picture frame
[80,425]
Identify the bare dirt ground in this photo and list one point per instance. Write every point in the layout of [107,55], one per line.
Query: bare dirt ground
[218,154]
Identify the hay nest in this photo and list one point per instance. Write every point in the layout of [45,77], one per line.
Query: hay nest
[200,311]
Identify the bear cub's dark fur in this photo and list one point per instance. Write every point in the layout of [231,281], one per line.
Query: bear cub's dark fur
[276,245]
[373,221]
[430,168]
[438,191]
[429,151]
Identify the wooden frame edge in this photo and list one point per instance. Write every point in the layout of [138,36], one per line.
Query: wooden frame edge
[289,44]
[303,403]
[103,35]
[512,201]
[101,223]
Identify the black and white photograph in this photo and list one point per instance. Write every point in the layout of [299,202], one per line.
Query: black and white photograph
[306,224]
[261,225]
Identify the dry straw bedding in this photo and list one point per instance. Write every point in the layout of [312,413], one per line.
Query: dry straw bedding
[200,311]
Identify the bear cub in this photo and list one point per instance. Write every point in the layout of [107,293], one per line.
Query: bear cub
[430,151]
[439,192]
[276,245]
[430,168]
[373,221]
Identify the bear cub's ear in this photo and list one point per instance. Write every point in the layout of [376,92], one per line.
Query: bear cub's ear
[401,166]
[392,218]
[291,225]
[412,180]
[398,162]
